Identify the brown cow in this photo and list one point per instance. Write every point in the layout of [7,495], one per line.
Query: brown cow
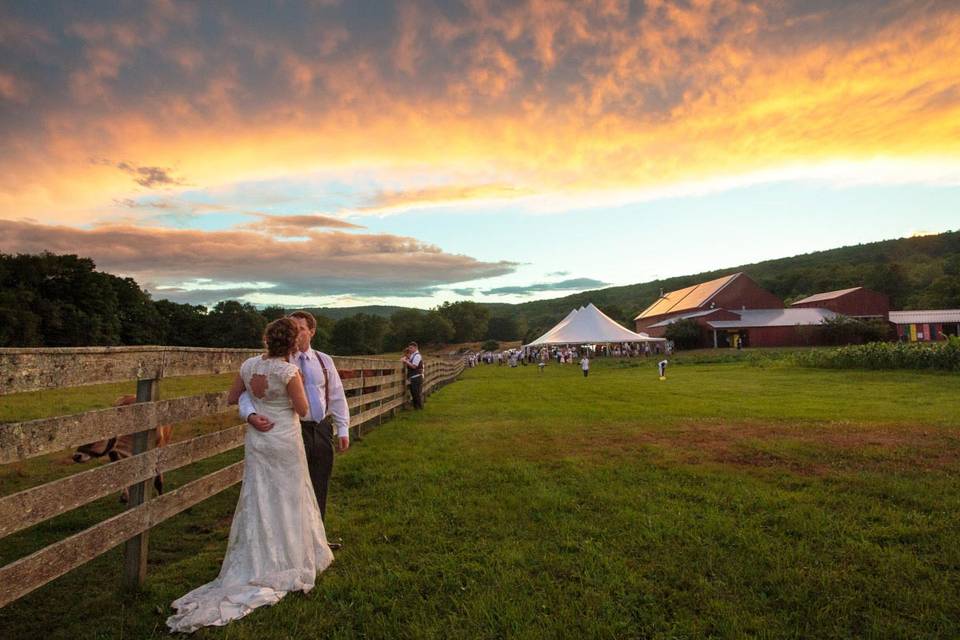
[121,447]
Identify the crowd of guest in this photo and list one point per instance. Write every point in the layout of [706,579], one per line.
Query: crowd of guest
[566,354]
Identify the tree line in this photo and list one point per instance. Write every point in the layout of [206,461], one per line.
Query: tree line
[51,300]
[62,300]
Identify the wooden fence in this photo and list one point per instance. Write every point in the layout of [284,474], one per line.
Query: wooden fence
[375,389]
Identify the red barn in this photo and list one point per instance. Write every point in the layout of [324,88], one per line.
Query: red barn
[735,310]
[858,302]
[734,292]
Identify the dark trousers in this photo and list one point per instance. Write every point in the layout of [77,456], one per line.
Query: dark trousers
[318,442]
[416,392]
[586,372]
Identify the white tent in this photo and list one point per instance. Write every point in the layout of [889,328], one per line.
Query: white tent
[589,325]
[556,327]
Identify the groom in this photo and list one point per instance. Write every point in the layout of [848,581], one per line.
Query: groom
[328,407]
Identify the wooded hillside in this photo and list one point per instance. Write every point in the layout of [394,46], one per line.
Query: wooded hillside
[917,273]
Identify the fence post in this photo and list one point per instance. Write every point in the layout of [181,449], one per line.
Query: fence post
[380,389]
[135,552]
[360,424]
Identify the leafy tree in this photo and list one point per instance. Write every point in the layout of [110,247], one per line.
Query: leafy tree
[490,345]
[406,326]
[273,312]
[234,324]
[81,305]
[889,279]
[19,327]
[469,319]
[534,332]
[73,303]
[839,330]
[684,333]
[875,331]
[943,293]
[360,334]
[951,265]
[321,339]
[436,329]
[506,327]
[347,336]
[844,330]
[183,325]
[140,322]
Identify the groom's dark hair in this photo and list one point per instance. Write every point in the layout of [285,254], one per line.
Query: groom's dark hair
[305,315]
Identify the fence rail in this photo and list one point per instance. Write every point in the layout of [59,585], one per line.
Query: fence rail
[375,389]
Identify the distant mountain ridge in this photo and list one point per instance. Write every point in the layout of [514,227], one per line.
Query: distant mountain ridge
[336,313]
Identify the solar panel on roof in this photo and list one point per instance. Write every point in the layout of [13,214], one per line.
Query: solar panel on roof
[667,302]
[705,291]
[687,298]
[829,295]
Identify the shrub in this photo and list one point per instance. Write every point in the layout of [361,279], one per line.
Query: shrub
[845,330]
[490,345]
[685,333]
[944,356]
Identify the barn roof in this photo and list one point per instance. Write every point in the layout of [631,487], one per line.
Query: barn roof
[750,318]
[687,299]
[829,295]
[683,316]
[925,316]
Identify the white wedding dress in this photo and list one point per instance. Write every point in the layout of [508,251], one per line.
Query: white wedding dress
[277,541]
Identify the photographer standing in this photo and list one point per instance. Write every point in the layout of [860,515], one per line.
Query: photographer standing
[414,364]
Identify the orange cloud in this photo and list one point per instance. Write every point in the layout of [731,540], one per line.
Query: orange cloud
[395,201]
[322,264]
[297,225]
[13,89]
[548,100]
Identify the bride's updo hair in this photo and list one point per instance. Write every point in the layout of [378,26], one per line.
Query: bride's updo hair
[280,337]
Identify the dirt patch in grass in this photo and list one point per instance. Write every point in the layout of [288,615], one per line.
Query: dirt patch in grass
[766,460]
[802,449]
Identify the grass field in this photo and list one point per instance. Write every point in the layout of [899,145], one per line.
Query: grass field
[731,500]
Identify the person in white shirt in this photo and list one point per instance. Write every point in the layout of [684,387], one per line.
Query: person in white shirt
[413,363]
[585,365]
[328,407]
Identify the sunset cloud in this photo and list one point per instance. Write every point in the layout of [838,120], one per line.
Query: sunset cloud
[528,100]
[323,264]
[296,225]
[445,196]
[150,177]
[291,122]
[573,284]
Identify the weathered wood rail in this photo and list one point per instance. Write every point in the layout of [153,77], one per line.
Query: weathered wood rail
[375,389]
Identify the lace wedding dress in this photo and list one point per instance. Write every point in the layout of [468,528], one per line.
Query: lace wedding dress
[277,541]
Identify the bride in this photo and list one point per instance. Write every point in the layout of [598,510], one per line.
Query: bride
[277,541]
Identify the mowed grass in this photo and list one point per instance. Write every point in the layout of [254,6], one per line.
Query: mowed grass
[728,501]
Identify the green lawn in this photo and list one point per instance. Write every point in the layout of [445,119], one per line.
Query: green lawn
[731,500]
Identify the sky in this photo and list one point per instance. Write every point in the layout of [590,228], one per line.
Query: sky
[324,153]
